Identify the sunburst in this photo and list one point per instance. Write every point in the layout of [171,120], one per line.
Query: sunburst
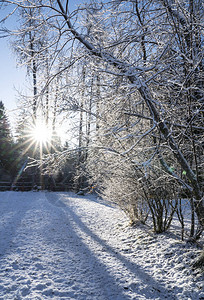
[37,138]
[41,134]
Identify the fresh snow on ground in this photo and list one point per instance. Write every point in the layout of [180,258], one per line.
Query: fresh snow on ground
[63,246]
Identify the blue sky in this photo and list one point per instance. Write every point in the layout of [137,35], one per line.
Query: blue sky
[12,78]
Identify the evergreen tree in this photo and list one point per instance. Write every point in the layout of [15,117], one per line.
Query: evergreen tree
[7,156]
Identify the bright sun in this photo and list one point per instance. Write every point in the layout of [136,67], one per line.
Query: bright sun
[40,138]
[41,133]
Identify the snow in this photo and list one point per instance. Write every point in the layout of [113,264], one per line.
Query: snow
[64,246]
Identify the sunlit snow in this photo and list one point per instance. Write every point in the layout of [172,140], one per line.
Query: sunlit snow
[62,246]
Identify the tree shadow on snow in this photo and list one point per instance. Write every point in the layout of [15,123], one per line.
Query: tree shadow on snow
[153,288]
[11,219]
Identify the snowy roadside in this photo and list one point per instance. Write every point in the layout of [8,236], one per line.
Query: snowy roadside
[62,246]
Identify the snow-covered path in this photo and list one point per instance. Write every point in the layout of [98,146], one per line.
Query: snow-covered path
[60,246]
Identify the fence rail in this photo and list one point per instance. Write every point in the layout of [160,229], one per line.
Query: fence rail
[5,186]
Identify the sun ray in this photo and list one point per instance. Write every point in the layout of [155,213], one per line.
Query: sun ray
[37,140]
[40,133]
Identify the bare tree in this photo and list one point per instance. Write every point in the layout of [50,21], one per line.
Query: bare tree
[156,49]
